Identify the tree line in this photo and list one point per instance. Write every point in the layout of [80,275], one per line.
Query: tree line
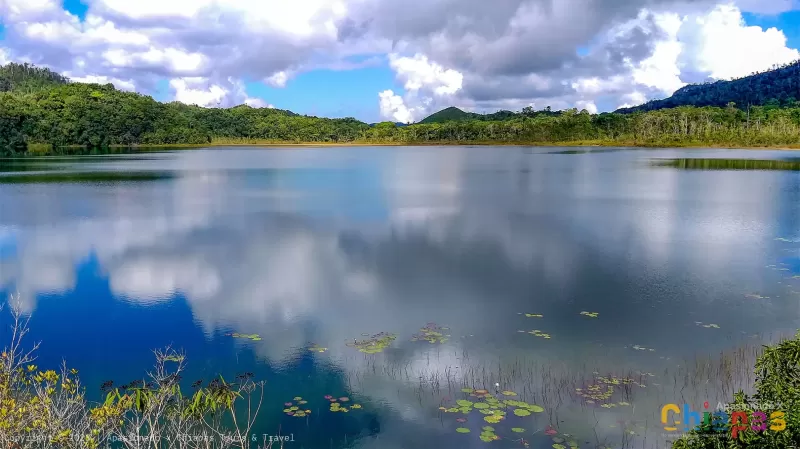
[42,111]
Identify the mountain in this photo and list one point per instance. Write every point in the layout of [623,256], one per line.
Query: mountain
[453,114]
[777,87]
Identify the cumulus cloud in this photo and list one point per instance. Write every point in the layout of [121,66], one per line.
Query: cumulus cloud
[206,93]
[469,53]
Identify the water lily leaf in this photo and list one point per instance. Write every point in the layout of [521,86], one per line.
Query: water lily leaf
[462,430]
[467,390]
[492,419]
[355,406]
[517,429]
[294,408]
[464,403]
[486,411]
[287,410]
[297,398]
[509,393]
[535,408]
[521,412]
[480,405]
[486,438]
[559,446]
[465,410]
[488,428]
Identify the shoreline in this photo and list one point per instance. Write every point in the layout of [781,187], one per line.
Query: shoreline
[277,145]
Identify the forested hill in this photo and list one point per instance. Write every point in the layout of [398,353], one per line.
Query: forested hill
[28,78]
[43,112]
[778,87]
[453,114]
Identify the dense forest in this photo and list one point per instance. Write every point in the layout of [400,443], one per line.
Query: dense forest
[41,111]
[777,87]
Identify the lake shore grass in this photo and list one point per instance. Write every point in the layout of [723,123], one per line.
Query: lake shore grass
[40,149]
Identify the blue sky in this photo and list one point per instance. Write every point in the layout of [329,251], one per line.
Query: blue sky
[432,66]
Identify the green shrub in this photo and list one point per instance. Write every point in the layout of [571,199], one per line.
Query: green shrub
[777,373]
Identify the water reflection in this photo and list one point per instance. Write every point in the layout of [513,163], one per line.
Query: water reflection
[321,246]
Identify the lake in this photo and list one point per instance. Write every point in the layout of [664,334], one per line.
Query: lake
[651,274]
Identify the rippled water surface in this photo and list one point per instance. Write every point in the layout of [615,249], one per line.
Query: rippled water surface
[690,259]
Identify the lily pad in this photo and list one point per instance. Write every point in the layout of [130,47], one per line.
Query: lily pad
[533,315]
[517,429]
[590,314]
[297,398]
[480,405]
[374,344]
[464,403]
[432,333]
[521,412]
[355,406]
[492,419]
[252,337]
[535,408]
[509,393]
[488,428]
[462,430]
[467,390]
[559,446]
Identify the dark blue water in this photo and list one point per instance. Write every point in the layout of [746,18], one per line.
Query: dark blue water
[319,246]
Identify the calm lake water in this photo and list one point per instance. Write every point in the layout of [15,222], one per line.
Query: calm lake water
[689,266]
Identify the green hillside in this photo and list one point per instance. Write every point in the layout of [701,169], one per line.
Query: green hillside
[779,87]
[453,114]
[42,112]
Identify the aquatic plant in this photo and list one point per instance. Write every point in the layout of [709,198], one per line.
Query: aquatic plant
[494,410]
[252,337]
[603,389]
[374,344]
[338,406]
[432,333]
[317,348]
[533,315]
[296,408]
[700,323]
[590,314]
[538,333]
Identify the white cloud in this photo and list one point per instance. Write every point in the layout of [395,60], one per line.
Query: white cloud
[393,107]
[427,85]
[722,45]
[203,92]
[128,85]
[487,55]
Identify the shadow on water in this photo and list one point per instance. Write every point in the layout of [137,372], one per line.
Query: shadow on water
[587,151]
[79,177]
[729,164]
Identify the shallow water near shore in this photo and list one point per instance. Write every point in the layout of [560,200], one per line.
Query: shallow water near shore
[597,284]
